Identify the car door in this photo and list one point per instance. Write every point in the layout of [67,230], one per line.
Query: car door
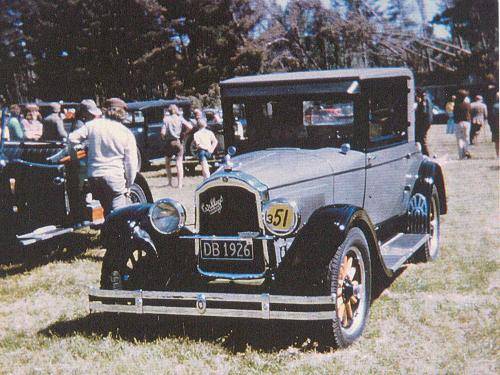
[387,150]
[40,194]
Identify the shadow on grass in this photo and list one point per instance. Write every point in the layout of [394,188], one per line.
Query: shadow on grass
[234,335]
[17,260]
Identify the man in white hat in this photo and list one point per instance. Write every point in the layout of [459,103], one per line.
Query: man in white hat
[112,153]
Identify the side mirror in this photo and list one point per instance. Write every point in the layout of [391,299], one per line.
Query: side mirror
[345,148]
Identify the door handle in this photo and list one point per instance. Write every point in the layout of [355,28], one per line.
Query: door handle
[408,155]
[371,157]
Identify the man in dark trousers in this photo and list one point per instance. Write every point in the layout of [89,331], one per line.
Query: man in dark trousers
[112,153]
[53,126]
[423,119]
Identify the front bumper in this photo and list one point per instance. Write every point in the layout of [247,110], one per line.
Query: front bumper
[254,306]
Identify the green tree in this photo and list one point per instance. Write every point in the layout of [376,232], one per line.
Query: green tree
[474,25]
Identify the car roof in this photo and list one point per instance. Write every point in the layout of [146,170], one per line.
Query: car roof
[46,104]
[319,75]
[140,105]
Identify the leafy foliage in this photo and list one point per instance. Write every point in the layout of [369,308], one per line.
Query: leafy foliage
[138,49]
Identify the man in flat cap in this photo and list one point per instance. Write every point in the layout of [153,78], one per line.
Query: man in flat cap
[112,153]
[53,126]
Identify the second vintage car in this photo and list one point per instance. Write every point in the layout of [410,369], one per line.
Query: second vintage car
[44,193]
[328,193]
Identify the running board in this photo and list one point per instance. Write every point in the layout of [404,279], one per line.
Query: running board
[42,234]
[398,249]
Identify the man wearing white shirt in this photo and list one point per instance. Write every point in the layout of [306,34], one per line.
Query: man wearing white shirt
[112,153]
[206,143]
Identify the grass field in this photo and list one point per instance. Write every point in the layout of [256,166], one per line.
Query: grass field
[440,317]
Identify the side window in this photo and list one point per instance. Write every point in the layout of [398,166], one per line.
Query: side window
[328,123]
[240,122]
[388,115]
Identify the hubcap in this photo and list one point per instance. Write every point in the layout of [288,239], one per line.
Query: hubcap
[350,290]
[418,211]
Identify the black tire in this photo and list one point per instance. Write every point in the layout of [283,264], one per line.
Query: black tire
[139,160]
[425,218]
[133,268]
[137,194]
[352,290]
[190,149]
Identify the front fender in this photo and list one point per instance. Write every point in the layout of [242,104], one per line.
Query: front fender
[317,242]
[430,174]
[119,225]
[131,225]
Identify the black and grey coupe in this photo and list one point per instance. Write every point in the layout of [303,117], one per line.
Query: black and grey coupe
[328,192]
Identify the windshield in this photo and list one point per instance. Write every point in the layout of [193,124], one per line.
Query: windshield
[303,122]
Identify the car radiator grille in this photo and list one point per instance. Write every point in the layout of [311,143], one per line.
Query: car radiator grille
[228,211]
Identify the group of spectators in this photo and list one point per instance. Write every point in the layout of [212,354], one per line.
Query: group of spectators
[111,147]
[31,126]
[174,129]
[466,119]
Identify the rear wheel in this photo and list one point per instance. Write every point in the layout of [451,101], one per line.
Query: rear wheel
[423,217]
[349,276]
[190,147]
[137,194]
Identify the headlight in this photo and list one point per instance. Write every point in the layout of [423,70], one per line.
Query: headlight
[281,217]
[167,216]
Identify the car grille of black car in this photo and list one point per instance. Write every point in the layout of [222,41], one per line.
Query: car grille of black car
[228,211]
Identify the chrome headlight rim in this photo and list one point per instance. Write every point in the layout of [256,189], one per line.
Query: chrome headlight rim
[296,217]
[179,208]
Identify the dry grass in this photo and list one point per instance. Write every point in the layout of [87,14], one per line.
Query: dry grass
[438,317]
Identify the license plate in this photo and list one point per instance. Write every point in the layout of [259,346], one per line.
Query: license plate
[226,249]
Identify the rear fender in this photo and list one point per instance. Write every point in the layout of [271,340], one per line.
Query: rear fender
[141,181]
[317,242]
[430,174]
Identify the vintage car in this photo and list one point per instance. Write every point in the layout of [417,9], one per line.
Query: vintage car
[145,120]
[44,193]
[299,225]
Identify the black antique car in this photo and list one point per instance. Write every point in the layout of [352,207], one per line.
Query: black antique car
[44,193]
[145,121]
[329,194]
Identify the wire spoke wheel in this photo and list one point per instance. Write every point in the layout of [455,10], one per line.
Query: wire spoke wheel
[423,217]
[433,243]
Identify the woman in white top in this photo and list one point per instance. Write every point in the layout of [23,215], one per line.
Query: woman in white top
[206,143]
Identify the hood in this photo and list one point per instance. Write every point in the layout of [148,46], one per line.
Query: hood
[275,167]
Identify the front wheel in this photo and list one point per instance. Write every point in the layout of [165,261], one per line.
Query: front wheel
[349,276]
[136,267]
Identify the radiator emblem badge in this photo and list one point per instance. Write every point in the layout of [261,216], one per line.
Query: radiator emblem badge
[214,206]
